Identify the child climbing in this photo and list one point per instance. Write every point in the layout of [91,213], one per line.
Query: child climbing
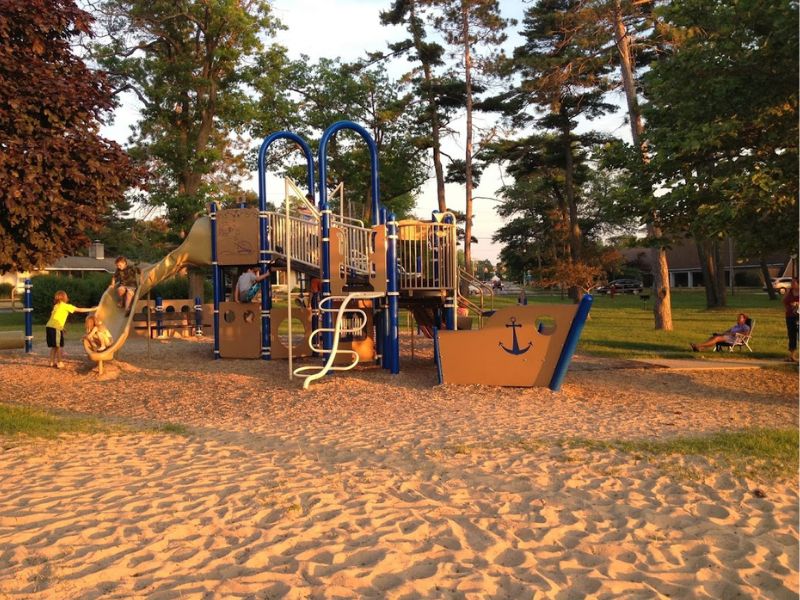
[97,334]
[125,280]
[248,285]
[54,329]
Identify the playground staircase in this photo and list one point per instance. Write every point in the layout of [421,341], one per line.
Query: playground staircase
[348,321]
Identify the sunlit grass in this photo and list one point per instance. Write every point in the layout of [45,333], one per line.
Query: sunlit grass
[19,420]
[25,420]
[753,452]
[624,327]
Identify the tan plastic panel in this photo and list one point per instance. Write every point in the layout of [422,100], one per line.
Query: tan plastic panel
[278,348]
[237,236]
[364,346]
[338,272]
[181,318]
[378,259]
[490,357]
[239,336]
[10,340]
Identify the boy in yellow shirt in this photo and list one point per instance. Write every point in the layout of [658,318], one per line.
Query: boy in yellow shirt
[54,329]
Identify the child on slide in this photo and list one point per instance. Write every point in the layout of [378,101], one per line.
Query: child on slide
[125,280]
[97,334]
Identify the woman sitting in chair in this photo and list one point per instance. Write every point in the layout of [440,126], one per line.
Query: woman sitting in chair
[727,337]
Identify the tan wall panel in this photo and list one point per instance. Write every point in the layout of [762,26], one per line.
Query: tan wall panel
[489,356]
[278,348]
[378,259]
[338,273]
[237,236]
[10,340]
[239,338]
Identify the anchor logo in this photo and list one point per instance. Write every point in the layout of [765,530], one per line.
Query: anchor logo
[515,349]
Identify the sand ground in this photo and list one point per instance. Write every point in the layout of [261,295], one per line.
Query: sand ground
[378,486]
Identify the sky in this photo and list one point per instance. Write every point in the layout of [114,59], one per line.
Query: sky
[348,29]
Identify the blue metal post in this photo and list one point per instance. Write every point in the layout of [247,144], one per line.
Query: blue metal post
[264,226]
[450,303]
[379,216]
[159,316]
[435,247]
[393,338]
[215,277]
[198,316]
[28,309]
[571,342]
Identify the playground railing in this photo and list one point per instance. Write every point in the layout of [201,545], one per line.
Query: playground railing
[483,290]
[303,238]
[356,245]
[426,256]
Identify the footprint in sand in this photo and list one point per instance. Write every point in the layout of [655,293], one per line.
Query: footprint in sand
[712,511]
[510,557]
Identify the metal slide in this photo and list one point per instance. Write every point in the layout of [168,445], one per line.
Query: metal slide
[195,250]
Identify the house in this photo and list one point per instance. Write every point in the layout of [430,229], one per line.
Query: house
[69,266]
[685,270]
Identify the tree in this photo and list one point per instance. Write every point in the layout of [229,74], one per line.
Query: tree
[204,76]
[624,35]
[471,26]
[537,232]
[726,155]
[440,95]
[563,77]
[58,176]
[330,91]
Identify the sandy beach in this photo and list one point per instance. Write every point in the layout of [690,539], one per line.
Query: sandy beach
[378,486]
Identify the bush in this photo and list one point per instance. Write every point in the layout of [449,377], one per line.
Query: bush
[82,292]
[177,288]
[748,279]
[6,289]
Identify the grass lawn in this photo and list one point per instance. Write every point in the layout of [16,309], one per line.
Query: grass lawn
[623,327]
[765,453]
[35,422]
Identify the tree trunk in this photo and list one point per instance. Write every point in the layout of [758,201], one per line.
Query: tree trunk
[436,130]
[767,278]
[662,301]
[197,278]
[468,157]
[574,231]
[713,279]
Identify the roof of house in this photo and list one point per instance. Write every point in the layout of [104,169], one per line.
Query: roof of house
[87,263]
[682,256]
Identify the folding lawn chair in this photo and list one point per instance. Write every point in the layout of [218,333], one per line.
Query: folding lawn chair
[742,340]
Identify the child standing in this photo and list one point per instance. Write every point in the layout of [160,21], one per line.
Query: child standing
[125,280]
[54,329]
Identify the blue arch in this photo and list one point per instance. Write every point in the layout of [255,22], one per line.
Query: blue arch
[263,226]
[262,167]
[373,159]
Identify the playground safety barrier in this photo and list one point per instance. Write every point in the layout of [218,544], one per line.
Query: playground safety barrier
[426,255]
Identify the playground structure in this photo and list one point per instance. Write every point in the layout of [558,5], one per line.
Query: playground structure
[367,273]
[12,340]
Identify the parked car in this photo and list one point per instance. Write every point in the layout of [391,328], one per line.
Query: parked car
[780,284]
[622,286]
